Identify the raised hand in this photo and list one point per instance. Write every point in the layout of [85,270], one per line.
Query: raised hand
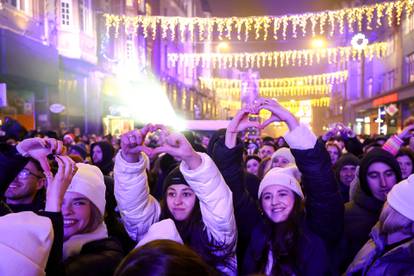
[58,184]
[40,148]
[278,113]
[177,145]
[406,132]
[132,143]
[330,133]
[239,123]
[346,131]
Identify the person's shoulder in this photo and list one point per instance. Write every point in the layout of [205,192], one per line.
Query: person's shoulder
[107,244]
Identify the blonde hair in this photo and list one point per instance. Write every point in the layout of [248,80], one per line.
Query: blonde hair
[392,221]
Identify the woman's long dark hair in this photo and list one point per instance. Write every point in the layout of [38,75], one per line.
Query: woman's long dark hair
[194,234]
[283,241]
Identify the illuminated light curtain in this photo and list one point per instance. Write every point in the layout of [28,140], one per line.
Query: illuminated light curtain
[264,27]
[299,58]
[292,106]
[309,80]
[275,92]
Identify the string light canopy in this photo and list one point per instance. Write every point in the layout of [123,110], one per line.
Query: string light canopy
[309,80]
[292,106]
[328,23]
[304,57]
[276,92]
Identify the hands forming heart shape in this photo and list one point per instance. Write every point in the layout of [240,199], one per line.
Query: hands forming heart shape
[138,140]
[242,120]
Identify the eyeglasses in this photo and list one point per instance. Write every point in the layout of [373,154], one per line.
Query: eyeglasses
[25,173]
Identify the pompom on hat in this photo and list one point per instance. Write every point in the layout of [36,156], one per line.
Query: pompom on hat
[162,230]
[89,182]
[401,197]
[288,177]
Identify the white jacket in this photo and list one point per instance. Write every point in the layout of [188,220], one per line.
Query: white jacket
[139,210]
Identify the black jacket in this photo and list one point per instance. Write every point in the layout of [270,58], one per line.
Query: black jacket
[99,257]
[312,254]
[361,214]
[322,222]
[230,164]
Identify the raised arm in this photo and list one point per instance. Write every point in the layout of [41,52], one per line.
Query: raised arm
[394,143]
[139,210]
[199,170]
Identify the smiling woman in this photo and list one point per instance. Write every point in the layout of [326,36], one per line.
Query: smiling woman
[84,230]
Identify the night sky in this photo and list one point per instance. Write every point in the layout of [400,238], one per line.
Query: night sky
[225,8]
[268,7]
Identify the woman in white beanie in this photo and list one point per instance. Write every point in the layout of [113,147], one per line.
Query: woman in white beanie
[87,249]
[288,240]
[195,197]
[282,158]
[390,250]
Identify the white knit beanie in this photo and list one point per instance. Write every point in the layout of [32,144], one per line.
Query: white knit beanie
[288,177]
[401,197]
[162,230]
[25,242]
[284,152]
[89,181]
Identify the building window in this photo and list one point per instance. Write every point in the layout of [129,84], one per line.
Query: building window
[388,81]
[410,67]
[409,24]
[66,12]
[85,16]
[129,47]
[25,6]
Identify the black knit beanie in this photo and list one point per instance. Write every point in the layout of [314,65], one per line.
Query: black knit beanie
[345,160]
[377,155]
[175,177]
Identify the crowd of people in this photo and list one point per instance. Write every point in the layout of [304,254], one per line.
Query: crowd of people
[158,202]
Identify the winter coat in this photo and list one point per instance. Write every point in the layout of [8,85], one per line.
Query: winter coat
[375,258]
[363,211]
[361,214]
[230,164]
[139,210]
[321,225]
[100,257]
[312,253]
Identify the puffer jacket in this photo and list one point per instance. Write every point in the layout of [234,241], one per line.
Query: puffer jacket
[139,210]
[375,258]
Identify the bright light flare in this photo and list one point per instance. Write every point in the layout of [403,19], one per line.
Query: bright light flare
[147,102]
[223,46]
[318,43]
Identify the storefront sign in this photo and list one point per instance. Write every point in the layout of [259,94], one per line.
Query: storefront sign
[391,109]
[392,98]
[56,108]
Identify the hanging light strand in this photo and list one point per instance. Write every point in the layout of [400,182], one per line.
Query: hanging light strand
[309,80]
[305,57]
[282,27]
